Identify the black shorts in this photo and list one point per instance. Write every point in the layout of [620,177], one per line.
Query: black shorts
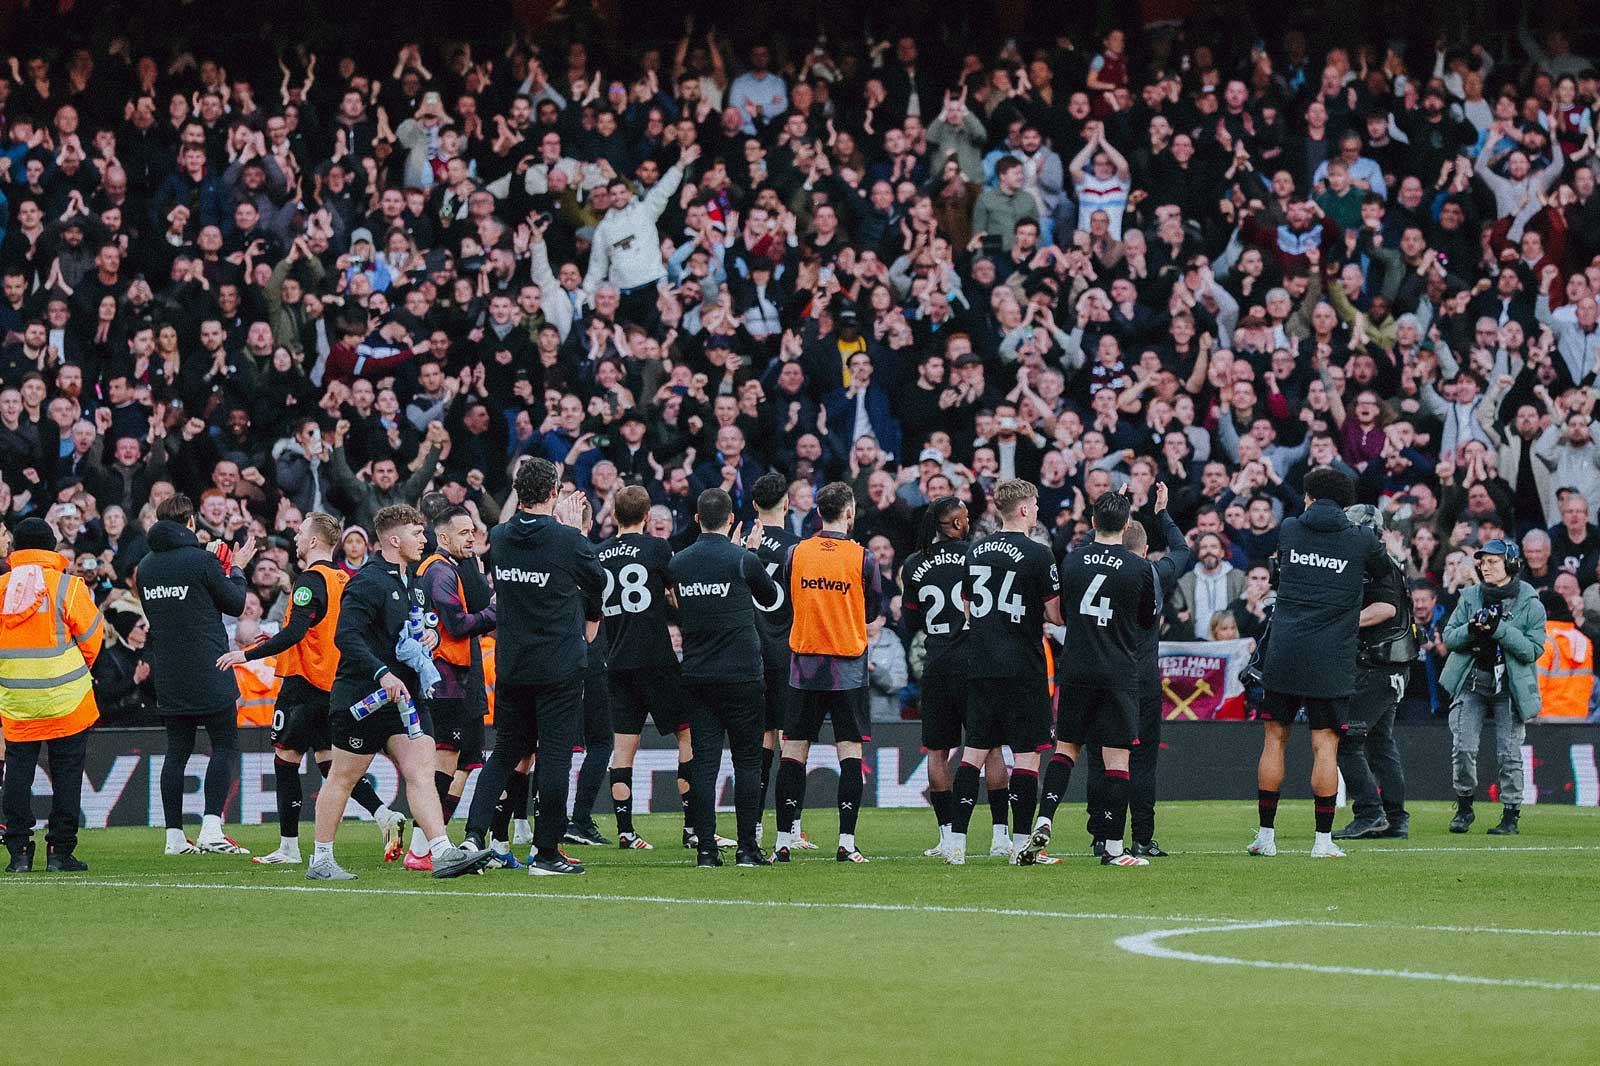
[654,693]
[777,696]
[1321,712]
[460,729]
[1102,717]
[847,710]
[300,718]
[372,733]
[1014,711]
[943,694]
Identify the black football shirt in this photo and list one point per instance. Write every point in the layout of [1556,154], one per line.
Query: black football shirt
[635,601]
[1108,599]
[933,599]
[1010,578]
[774,623]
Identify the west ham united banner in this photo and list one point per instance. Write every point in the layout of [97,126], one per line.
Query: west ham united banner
[1200,679]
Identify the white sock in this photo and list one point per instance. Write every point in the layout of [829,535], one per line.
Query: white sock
[1113,848]
[1265,835]
[210,826]
[438,846]
[944,833]
[958,841]
[1019,841]
[1041,820]
[847,841]
[785,840]
[1324,840]
[419,842]
[176,839]
[1002,833]
[289,845]
[499,846]
[321,851]
[383,813]
[521,828]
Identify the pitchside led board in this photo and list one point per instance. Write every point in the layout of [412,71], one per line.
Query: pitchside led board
[1199,760]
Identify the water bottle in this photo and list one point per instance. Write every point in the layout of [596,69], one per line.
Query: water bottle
[415,623]
[370,703]
[408,715]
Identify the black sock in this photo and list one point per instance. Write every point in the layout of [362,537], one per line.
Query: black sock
[1116,816]
[1053,789]
[519,795]
[289,797]
[1024,796]
[942,803]
[325,768]
[448,806]
[1465,799]
[441,785]
[684,788]
[1324,807]
[966,797]
[500,825]
[622,775]
[363,793]
[1267,804]
[767,755]
[851,786]
[999,806]
[791,793]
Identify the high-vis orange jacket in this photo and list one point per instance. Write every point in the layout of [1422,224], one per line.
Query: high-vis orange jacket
[258,691]
[49,636]
[830,604]
[1566,672]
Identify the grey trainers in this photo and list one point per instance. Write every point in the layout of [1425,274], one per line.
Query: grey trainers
[328,870]
[458,861]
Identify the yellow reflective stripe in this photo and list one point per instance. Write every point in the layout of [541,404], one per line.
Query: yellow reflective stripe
[1545,671]
[44,682]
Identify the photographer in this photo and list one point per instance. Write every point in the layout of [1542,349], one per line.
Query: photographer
[1495,635]
[1369,758]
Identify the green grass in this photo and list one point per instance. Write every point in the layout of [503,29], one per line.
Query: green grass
[507,968]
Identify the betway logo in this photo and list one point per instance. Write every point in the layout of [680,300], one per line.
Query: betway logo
[520,576]
[166,592]
[705,588]
[824,584]
[1313,559]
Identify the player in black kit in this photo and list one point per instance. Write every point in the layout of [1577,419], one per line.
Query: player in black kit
[771,497]
[933,603]
[1110,594]
[1146,751]
[548,585]
[716,584]
[1011,589]
[643,671]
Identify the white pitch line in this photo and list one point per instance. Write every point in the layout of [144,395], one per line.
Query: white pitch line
[1149,945]
[891,908]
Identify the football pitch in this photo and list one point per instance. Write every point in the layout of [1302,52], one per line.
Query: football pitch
[1437,949]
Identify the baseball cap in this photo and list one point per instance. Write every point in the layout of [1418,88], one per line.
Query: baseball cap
[1501,546]
[931,455]
[633,414]
[969,359]
[360,233]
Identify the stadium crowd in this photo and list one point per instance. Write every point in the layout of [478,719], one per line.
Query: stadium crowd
[326,284]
